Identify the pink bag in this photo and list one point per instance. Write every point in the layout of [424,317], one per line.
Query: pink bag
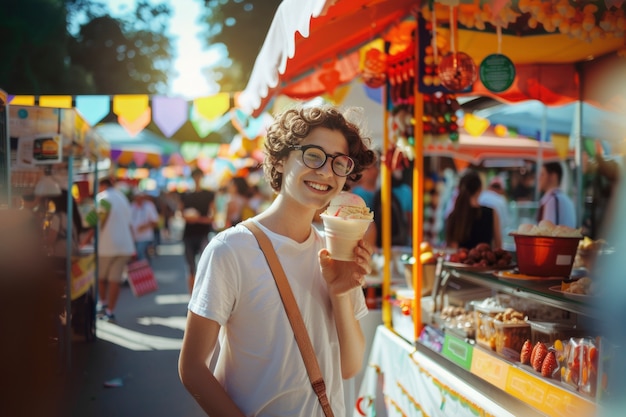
[141,278]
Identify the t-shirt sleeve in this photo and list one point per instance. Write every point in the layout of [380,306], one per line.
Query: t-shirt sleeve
[549,210]
[217,284]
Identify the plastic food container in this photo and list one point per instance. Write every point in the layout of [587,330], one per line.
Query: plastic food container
[545,256]
[485,333]
[510,337]
[548,332]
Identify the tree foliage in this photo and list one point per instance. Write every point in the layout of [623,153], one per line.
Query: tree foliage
[241,25]
[128,55]
[107,55]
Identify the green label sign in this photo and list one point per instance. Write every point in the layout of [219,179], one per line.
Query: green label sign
[497,72]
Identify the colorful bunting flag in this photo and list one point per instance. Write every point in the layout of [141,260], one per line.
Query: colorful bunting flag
[169,114]
[93,108]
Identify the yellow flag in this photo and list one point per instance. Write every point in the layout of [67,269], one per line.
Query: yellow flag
[561,145]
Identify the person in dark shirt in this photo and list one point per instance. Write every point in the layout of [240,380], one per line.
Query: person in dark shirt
[470,223]
[198,210]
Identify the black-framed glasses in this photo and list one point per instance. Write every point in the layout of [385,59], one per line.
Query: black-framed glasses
[315,157]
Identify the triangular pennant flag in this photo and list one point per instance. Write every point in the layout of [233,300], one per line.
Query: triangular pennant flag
[130,107]
[590,147]
[93,108]
[190,150]
[561,145]
[169,114]
[140,158]
[135,126]
[248,126]
[177,159]
[212,107]
[165,159]
[58,102]
[115,154]
[153,160]
[210,149]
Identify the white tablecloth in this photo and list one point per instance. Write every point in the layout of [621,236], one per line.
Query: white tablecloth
[411,384]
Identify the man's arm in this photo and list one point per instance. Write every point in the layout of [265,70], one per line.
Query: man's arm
[198,346]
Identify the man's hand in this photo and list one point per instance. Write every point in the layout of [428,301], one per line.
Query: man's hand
[343,276]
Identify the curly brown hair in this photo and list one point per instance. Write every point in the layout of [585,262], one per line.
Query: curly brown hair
[293,125]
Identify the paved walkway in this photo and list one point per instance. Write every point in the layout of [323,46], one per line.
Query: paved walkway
[137,356]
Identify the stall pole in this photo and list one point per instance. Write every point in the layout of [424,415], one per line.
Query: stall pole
[95,239]
[418,192]
[68,260]
[6,137]
[385,198]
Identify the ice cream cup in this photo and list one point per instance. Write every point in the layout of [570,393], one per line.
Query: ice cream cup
[342,235]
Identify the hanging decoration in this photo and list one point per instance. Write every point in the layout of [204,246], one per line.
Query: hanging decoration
[457,70]
[401,74]
[374,68]
[440,121]
[497,71]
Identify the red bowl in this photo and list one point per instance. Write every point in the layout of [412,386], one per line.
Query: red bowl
[545,256]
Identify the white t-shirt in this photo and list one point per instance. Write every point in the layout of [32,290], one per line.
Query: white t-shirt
[140,215]
[259,364]
[115,237]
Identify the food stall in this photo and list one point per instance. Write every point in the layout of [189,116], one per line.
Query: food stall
[54,152]
[423,368]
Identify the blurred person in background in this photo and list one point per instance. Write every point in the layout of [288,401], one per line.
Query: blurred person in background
[367,186]
[470,223]
[238,206]
[198,209]
[144,219]
[554,205]
[494,197]
[116,245]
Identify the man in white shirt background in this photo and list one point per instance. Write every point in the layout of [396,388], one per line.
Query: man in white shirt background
[555,205]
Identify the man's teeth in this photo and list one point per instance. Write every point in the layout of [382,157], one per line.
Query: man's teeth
[320,187]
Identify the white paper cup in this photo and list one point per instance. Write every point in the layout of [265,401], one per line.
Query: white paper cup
[342,235]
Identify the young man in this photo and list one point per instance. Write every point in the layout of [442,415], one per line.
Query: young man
[554,205]
[116,246]
[198,208]
[309,155]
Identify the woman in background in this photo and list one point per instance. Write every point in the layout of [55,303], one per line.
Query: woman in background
[470,223]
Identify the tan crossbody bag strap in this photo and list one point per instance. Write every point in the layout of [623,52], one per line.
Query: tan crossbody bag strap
[295,318]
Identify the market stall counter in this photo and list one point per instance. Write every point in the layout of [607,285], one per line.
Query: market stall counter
[470,347]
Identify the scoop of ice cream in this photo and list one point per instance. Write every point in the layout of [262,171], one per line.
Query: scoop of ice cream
[349,206]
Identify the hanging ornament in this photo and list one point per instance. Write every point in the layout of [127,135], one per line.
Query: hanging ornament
[374,68]
[456,70]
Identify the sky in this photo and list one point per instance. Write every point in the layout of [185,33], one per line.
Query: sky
[191,55]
